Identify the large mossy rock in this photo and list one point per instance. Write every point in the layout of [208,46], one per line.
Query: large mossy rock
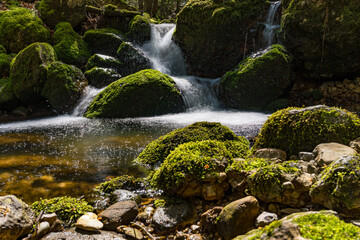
[132,59]
[214,35]
[297,130]
[5,61]
[69,47]
[338,186]
[306,225]
[140,30]
[198,169]
[19,28]
[16,218]
[145,93]
[159,149]
[8,101]
[53,12]
[104,61]
[258,80]
[28,71]
[63,86]
[323,36]
[103,41]
[101,77]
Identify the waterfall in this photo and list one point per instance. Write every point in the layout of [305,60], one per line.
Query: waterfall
[166,57]
[88,95]
[270,25]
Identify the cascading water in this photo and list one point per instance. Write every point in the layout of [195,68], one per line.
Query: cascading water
[270,24]
[88,95]
[166,56]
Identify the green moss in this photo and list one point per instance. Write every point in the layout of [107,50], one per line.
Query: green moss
[248,164]
[101,77]
[69,46]
[28,71]
[67,209]
[255,82]
[196,159]
[159,149]
[5,61]
[133,60]
[105,41]
[8,101]
[63,86]
[126,182]
[103,61]
[145,93]
[140,29]
[19,28]
[295,129]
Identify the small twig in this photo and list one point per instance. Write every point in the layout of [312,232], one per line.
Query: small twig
[134,224]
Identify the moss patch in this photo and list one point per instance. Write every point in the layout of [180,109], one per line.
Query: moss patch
[145,93]
[104,41]
[5,64]
[159,149]
[101,77]
[126,182]
[140,29]
[19,28]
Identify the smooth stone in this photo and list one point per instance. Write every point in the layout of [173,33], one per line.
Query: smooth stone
[130,232]
[89,222]
[271,153]
[326,153]
[265,218]
[50,218]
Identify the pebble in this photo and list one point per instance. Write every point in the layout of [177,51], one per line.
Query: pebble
[89,222]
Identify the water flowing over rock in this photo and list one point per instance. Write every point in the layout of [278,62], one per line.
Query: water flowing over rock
[270,24]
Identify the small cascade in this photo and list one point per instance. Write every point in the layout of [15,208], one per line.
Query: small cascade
[88,95]
[165,56]
[270,24]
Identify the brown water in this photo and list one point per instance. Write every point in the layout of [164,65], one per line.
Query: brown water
[70,155]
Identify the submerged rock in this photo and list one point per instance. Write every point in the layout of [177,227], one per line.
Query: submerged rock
[258,80]
[69,47]
[214,35]
[145,93]
[296,130]
[19,28]
[16,218]
[338,186]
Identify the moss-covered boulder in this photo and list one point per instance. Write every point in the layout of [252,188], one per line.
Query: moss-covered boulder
[104,41]
[323,36]
[19,28]
[121,4]
[53,12]
[297,130]
[338,186]
[104,61]
[196,169]
[140,30]
[8,101]
[63,86]
[214,35]
[69,47]
[28,71]
[5,61]
[101,77]
[159,149]
[132,59]
[258,80]
[145,93]
[306,225]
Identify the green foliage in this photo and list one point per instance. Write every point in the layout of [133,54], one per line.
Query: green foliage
[295,129]
[159,149]
[67,209]
[19,28]
[145,93]
[2,49]
[325,226]
[126,182]
[255,82]
[196,159]
[69,46]
[248,164]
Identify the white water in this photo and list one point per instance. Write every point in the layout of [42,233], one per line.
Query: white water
[88,95]
[270,25]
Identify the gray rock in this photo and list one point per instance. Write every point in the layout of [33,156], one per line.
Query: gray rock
[50,218]
[42,229]
[169,217]
[271,153]
[306,156]
[124,195]
[120,213]
[326,153]
[73,234]
[238,217]
[265,218]
[16,218]
[89,222]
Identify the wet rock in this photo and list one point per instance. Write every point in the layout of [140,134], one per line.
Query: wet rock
[16,218]
[238,217]
[124,195]
[130,233]
[170,217]
[355,145]
[89,222]
[103,61]
[338,186]
[73,234]
[326,153]
[120,213]
[208,219]
[101,77]
[265,218]
[306,156]
[271,153]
